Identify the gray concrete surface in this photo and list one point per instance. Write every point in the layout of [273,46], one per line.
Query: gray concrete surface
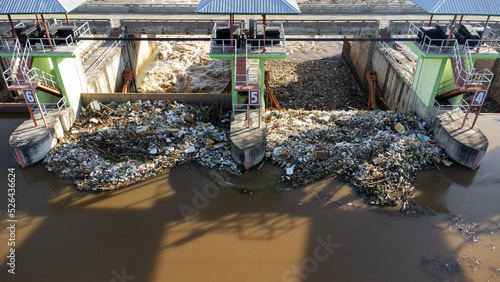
[465,145]
[206,99]
[31,144]
[248,144]
[304,8]
[100,22]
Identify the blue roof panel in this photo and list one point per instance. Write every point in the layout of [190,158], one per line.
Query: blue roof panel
[460,7]
[254,7]
[38,6]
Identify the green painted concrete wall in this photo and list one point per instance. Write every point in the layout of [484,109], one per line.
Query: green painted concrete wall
[262,66]
[234,93]
[447,75]
[71,78]
[427,78]
[44,64]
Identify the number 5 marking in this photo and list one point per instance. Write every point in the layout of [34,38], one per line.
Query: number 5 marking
[254,97]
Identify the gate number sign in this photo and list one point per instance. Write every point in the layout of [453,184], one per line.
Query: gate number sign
[478,99]
[29,96]
[254,98]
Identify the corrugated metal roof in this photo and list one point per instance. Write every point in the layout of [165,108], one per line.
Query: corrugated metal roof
[460,7]
[38,6]
[254,7]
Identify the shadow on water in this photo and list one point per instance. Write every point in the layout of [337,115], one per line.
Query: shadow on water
[194,224]
[433,186]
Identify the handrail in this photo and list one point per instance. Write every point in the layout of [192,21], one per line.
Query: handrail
[129,6]
[465,74]
[22,74]
[59,105]
[8,43]
[67,44]
[442,108]
[97,63]
[487,47]
[38,75]
[225,48]
[84,29]
[446,86]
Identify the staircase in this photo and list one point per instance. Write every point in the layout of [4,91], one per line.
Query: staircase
[246,75]
[21,75]
[247,78]
[465,77]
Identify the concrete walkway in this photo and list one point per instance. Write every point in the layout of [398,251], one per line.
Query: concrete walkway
[248,144]
[31,144]
[465,145]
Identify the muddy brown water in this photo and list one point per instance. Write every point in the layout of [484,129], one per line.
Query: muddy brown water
[192,224]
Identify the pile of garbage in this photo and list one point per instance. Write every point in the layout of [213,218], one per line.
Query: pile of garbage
[307,85]
[378,152]
[111,146]
[115,145]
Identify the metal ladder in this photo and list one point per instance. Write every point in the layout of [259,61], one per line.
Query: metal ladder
[465,77]
[21,75]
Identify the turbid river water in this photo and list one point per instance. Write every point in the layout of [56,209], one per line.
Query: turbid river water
[186,67]
[192,224]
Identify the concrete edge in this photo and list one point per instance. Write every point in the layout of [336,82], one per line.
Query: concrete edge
[13,108]
[205,99]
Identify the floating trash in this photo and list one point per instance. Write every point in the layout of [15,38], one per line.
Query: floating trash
[378,152]
[110,148]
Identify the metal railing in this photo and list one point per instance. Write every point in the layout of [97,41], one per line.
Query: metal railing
[405,49]
[388,52]
[268,46]
[130,6]
[94,67]
[39,110]
[465,76]
[252,74]
[220,45]
[19,73]
[484,77]
[483,47]
[16,73]
[7,44]
[83,30]
[60,106]
[446,86]
[443,108]
[63,45]
[488,46]
[45,78]
[86,53]
[429,45]
[259,47]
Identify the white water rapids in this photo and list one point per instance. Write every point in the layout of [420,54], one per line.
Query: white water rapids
[185,66]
